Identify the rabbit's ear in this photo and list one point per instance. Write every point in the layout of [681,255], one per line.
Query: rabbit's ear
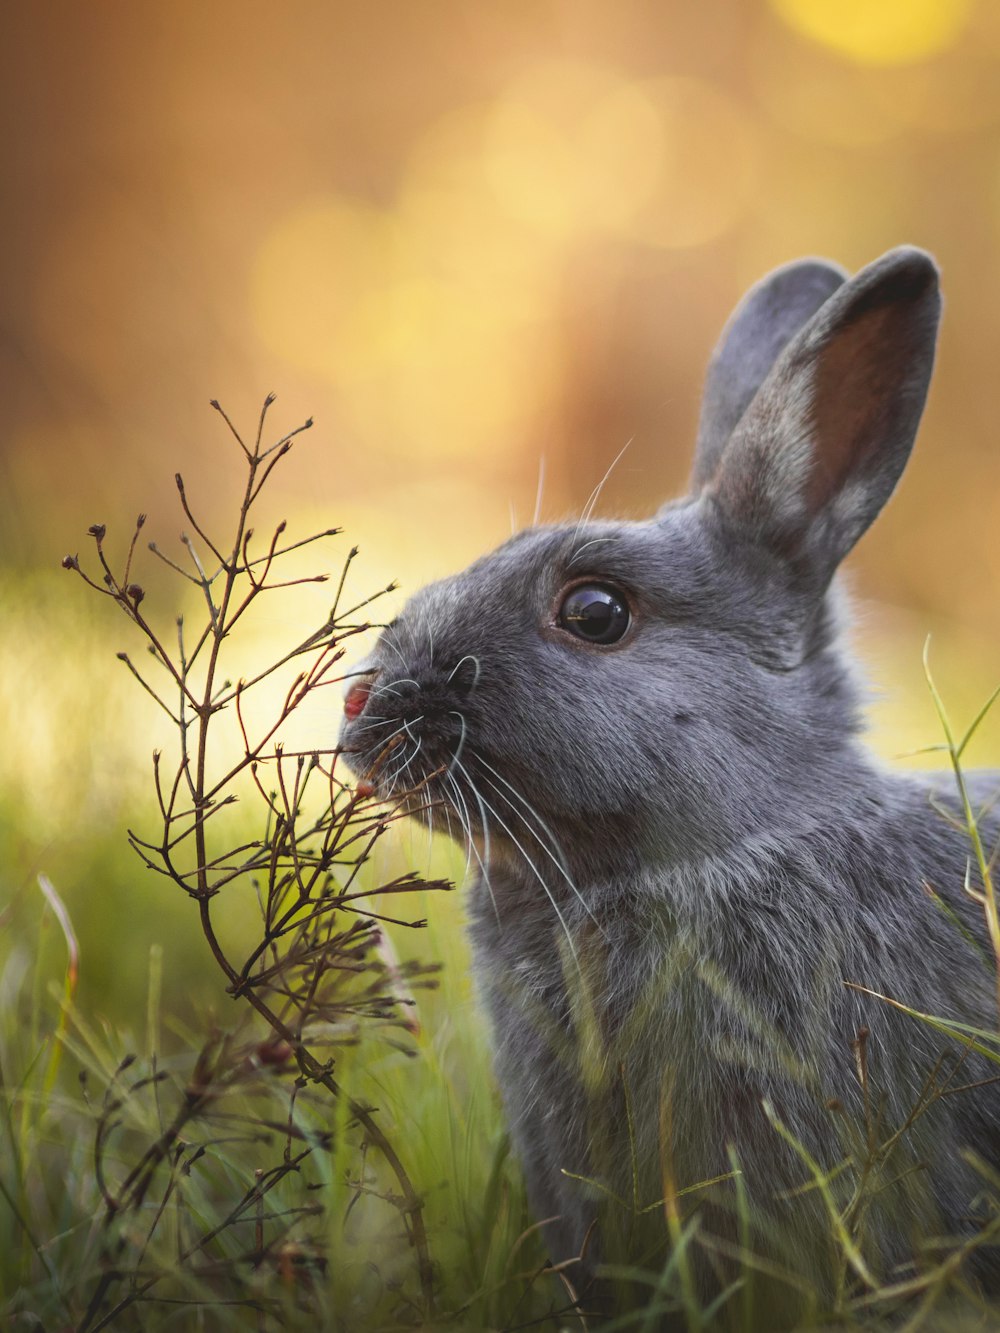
[770,314]
[824,441]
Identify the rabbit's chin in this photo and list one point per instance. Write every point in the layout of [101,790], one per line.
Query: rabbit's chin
[421,799]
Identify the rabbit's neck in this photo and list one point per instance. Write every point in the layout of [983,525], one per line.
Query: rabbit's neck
[671,840]
[636,901]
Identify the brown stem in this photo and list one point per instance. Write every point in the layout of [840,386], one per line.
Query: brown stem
[302,935]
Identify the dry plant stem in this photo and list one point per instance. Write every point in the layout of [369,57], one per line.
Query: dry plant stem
[302,957]
[264,1183]
[220,1066]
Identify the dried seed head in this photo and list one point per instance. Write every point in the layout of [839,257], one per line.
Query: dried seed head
[70,562]
[97,531]
[274,1052]
[135,592]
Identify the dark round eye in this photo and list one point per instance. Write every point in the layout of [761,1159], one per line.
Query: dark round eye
[595,613]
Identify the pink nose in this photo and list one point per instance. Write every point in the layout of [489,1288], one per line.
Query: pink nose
[356,698]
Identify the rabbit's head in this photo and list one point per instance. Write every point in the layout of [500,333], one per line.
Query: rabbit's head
[663,688]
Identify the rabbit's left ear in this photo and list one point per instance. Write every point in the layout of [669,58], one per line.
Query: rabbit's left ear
[756,334]
[824,441]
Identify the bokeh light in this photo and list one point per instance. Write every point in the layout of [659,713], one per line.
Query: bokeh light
[463,240]
[879,32]
[423,366]
[708,180]
[573,148]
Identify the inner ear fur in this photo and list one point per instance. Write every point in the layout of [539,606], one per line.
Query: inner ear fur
[824,441]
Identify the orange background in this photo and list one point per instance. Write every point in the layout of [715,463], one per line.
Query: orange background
[463,237]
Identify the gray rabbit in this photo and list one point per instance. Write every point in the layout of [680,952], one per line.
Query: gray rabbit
[648,735]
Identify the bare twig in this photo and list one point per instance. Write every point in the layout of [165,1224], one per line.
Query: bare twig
[315,962]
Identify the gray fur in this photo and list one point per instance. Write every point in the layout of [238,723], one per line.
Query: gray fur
[759,329]
[684,850]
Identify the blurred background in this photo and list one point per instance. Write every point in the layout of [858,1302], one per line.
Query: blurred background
[465,239]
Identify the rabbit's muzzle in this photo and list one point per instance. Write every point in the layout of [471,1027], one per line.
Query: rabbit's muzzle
[402,731]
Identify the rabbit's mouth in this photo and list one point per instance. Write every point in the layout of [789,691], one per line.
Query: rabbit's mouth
[397,737]
[417,747]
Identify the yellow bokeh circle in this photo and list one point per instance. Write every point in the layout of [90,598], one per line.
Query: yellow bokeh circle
[879,32]
[710,165]
[423,362]
[573,148]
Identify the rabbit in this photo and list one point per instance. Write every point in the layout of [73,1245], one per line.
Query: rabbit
[695,891]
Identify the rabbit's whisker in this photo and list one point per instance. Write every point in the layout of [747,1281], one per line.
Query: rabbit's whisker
[538,491]
[469,657]
[461,740]
[588,508]
[420,740]
[390,643]
[555,856]
[483,860]
[416,750]
[534,869]
[429,821]
[554,842]
[374,720]
[405,760]
[391,781]
[580,549]
[386,739]
[465,822]
[402,680]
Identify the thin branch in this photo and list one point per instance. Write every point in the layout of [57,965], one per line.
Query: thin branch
[314,961]
[124,657]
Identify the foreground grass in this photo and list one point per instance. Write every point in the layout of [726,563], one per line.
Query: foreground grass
[228,1234]
[83,1100]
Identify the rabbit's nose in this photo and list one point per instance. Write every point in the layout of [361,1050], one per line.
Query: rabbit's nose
[357,696]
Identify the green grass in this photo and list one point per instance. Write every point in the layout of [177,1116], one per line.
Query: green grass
[62,1065]
[163,1165]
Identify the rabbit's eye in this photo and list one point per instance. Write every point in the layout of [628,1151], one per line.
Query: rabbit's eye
[595,613]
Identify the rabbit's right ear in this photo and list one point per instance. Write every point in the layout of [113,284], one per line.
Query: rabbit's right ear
[756,334]
[826,437]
